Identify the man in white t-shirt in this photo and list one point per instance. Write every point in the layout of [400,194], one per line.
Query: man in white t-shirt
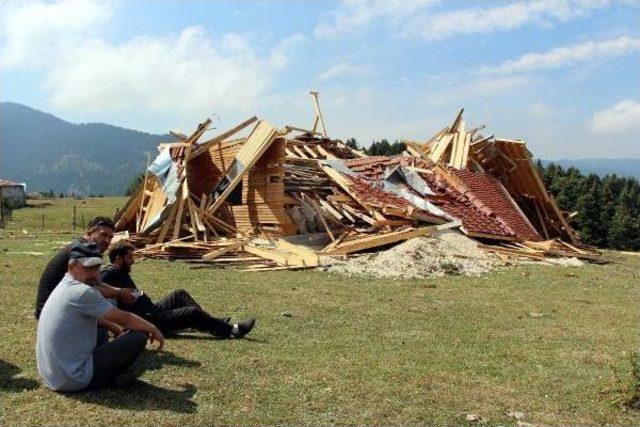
[67,354]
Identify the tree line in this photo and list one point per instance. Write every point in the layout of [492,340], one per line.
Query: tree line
[608,208]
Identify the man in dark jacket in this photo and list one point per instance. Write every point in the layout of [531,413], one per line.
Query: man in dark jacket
[176,311]
[100,231]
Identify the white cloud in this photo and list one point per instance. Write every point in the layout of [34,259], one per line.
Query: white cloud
[541,110]
[186,76]
[34,32]
[621,117]
[343,69]
[419,19]
[568,55]
[351,15]
[456,94]
[504,17]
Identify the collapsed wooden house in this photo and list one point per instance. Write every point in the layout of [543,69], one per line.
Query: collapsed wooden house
[288,197]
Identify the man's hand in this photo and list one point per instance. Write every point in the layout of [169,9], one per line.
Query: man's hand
[112,327]
[116,331]
[134,323]
[156,335]
[126,296]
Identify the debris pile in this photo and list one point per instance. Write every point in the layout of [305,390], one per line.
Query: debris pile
[292,197]
[447,253]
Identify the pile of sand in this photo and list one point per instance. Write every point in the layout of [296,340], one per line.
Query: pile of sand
[447,253]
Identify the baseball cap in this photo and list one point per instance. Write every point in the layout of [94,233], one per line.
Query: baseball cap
[85,253]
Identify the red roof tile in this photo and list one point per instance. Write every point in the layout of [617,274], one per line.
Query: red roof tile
[487,193]
[473,218]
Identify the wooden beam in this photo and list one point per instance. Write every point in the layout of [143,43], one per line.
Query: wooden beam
[376,240]
[219,252]
[258,142]
[316,103]
[205,145]
[281,258]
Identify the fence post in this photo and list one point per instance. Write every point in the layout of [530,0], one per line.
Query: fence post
[74,217]
[83,220]
[43,221]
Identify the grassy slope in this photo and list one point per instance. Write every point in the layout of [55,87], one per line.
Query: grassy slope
[352,351]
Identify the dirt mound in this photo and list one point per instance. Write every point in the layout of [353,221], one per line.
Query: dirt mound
[447,253]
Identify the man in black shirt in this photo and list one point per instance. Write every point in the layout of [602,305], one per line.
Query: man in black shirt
[176,311]
[99,231]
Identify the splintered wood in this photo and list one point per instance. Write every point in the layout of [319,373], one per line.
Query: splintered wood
[289,198]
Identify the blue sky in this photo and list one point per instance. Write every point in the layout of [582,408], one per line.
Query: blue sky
[564,75]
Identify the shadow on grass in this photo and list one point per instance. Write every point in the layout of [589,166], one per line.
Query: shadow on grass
[153,360]
[207,337]
[16,385]
[142,396]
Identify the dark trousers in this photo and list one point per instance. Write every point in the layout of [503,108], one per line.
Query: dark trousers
[179,310]
[111,358]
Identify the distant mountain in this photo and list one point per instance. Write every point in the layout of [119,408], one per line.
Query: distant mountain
[48,153]
[621,167]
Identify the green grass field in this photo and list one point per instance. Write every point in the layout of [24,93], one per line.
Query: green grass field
[555,343]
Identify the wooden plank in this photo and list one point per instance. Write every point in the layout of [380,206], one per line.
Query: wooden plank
[456,122]
[339,179]
[290,128]
[336,242]
[279,268]
[315,207]
[464,156]
[279,258]
[541,219]
[219,252]
[299,152]
[352,211]
[440,148]
[308,149]
[178,219]
[316,104]
[169,219]
[333,211]
[258,142]
[573,248]
[376,240]
[308,257]
[516,252]
[205,145]
[324,152]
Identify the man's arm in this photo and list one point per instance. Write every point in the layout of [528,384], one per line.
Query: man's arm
[113,327]
[123,295]
[134,323]
[51,276]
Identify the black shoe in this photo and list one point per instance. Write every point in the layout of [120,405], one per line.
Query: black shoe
[244,328]
[226,319]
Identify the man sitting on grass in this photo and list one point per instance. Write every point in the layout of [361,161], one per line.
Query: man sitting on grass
[68,356]
[99,231]
[176,311]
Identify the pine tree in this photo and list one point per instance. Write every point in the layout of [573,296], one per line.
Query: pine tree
[588,206]
[352,143]
[624,229]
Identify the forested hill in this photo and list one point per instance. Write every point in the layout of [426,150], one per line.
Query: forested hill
[607,208]
[48,153]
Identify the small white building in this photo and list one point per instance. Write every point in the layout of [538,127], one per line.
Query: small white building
[14,192]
